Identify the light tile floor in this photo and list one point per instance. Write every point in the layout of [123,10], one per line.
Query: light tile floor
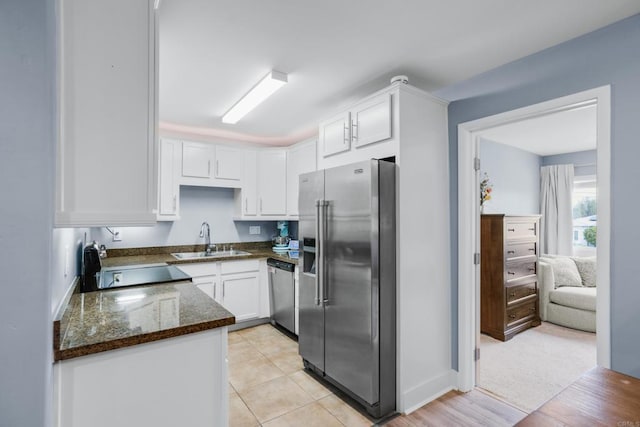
[268,386]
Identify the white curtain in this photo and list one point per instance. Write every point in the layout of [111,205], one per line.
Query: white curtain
[556,224]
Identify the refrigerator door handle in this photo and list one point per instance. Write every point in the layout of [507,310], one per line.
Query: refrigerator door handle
[325,291]
[319,260]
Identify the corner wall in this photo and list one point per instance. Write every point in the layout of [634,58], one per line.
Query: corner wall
[608,56]
[27,154]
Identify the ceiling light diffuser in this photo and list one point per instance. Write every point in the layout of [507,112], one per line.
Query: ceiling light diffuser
[264,89]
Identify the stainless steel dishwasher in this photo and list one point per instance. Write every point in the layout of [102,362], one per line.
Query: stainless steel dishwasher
[282,293]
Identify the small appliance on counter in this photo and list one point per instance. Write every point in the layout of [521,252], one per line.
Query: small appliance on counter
[281,242]
[91,267]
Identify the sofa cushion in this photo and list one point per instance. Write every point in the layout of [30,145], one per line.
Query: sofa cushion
[583,298]
[565,272]
[587,269]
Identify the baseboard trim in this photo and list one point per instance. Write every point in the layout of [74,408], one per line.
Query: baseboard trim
[248,324]
[429,390]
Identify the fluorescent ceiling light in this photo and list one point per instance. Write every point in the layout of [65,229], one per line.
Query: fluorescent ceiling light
[267,86]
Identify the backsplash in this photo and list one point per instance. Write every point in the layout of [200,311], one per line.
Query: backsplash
[197,204]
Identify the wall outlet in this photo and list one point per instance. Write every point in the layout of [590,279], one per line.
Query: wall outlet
[254,229]
[117,234]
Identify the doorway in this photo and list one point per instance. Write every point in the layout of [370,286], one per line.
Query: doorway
[469,222]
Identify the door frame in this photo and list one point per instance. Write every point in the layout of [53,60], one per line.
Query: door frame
[469,222]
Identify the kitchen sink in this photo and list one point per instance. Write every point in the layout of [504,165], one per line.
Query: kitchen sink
[202,255]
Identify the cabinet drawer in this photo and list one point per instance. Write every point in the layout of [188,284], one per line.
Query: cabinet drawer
[521,313]
[521,269]
[517,250]
[232,267]
[199,269]
[518,230]
[517,293]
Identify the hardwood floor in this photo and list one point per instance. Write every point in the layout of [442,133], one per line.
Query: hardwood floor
[474,408]
[600,397]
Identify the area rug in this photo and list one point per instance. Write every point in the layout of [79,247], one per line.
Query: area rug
[534,365]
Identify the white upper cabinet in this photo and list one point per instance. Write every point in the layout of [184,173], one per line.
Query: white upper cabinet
[247,198]
[196,162]
[210,165]
[106,156]
[373,129]
[301,158]
[335,134]
[272,182]
[371,121]
[169,185]
[229,163]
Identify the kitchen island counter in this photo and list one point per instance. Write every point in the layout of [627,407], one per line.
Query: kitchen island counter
[94,322]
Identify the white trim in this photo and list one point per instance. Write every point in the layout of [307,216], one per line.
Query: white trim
[434,388]
[468,222]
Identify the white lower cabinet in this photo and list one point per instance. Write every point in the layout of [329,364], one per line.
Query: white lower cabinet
[144,385]
[241,295]
[239,286]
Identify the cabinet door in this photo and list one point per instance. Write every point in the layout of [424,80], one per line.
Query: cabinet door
[301,159]
[335,134]
[249,201]
[229,163]
[197,159]
[209,285]
[170,161]
[241,296]
[106,114]
[371,121]
[272,182]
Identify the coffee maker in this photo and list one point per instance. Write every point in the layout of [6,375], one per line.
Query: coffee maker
[91,266]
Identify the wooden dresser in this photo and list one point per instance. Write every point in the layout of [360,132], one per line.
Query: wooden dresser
[508,274]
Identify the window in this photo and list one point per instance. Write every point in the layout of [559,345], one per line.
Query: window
[584,215]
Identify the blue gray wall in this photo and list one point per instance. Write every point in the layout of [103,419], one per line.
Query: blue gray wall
[515,176]
[609,56]
[584,161]
[27,124]
[197,204]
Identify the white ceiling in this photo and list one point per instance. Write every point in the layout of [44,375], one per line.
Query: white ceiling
[557,133]
[336,51]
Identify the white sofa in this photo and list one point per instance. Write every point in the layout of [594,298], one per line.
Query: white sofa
[564,299]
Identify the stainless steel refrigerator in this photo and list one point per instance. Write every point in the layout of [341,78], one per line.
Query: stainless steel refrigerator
[347,286]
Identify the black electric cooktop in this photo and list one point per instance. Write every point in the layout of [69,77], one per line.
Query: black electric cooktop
[114,277]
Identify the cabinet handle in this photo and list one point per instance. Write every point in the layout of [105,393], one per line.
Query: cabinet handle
[175,203]
[209,167]
[246,205]
[532,229]
[511,252]
[532,269]
[354,128]
[217,168]
[512,316]
[512,294]
[532,249]
[345,138]
[260,204]
[223,289]
[511,229]
[511,273]
[214,291]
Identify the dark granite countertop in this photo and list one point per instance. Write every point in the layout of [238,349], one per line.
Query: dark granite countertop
[162,254]
[105,320]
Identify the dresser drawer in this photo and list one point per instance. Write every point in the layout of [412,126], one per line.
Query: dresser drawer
[521,313]
[518,293]
[517,250]
[521,229]
[516,270]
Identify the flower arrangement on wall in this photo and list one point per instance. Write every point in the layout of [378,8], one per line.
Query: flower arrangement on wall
[485,190]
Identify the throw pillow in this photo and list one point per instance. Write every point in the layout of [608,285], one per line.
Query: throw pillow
[565,272]
[587,269]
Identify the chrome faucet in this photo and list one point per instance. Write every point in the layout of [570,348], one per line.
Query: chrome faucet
[207,237]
